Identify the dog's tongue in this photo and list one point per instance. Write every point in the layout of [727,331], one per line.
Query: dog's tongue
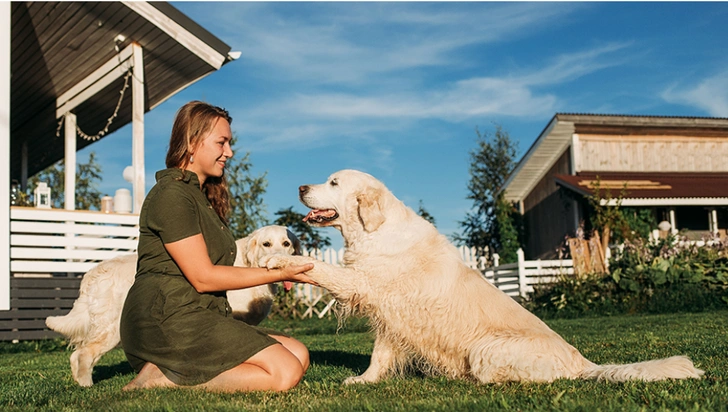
[287,286]
[318,214]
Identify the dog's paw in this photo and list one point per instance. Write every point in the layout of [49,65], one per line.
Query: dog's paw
[270,262]
[353,380]
[282,261]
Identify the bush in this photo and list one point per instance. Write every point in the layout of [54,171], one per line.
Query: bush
[670,275]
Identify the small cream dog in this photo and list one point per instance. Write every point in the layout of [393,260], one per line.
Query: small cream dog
[426,305]
[92,326]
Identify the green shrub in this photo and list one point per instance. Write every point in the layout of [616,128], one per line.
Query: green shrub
[670,275]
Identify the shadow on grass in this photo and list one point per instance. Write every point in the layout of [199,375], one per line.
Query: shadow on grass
[104,372]
[354,361]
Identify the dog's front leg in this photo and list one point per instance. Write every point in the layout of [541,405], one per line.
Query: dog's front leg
[342,282]
[386,360]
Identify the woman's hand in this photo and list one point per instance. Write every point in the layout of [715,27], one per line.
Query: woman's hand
[191,256]
[297,274]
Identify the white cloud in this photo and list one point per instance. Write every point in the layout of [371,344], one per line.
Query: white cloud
[511,95]
[710,94]
[348,43]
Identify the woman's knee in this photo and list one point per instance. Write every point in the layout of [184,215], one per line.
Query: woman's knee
[283,366]
[298,349]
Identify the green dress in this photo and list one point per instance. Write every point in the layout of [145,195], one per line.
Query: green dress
[190,336]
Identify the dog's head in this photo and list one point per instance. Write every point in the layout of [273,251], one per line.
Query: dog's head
[265,241]
[348,199]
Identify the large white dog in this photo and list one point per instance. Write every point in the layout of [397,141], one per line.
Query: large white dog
[92,326]
[426,305]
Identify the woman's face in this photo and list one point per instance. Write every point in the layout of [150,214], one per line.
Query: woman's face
[212,152]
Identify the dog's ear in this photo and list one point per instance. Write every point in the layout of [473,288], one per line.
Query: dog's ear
[243,257]
[251,256]
[297,251]
[370,209]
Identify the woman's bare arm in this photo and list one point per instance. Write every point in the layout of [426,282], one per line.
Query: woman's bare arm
[190,254]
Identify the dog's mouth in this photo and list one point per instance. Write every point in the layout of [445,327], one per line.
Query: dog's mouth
[321,216]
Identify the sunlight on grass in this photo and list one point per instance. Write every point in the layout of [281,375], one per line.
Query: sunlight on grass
[36,376]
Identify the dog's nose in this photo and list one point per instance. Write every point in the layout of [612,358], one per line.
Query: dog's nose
[302,190]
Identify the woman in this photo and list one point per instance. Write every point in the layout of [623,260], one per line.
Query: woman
[176,326]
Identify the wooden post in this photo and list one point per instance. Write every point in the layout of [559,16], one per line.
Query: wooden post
[70,161]
[5,150]
[521,273]
[137,127]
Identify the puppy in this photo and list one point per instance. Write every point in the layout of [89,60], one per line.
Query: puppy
[92,326]
[428,307]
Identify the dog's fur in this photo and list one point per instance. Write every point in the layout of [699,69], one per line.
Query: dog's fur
[426,305]
[92,326]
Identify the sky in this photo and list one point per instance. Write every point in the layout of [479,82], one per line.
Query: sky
[400,90]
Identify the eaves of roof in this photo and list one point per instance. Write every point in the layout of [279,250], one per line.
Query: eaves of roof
[651,189]
[557,136]
[55,46]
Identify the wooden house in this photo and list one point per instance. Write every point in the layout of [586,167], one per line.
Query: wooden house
[675,166]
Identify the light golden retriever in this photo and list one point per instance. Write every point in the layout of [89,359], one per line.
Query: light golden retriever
[428,307]
[92,326]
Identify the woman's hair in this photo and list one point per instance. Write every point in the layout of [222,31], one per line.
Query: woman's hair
[193,122]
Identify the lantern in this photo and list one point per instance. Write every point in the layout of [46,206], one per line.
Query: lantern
[42,195]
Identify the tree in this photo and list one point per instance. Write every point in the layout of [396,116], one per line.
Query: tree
[607,214]
[309,236]
[247,209]
[490,225]
[88,176]
[425,214]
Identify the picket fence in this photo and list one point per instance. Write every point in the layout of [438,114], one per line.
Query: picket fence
[51,248]
[515,279]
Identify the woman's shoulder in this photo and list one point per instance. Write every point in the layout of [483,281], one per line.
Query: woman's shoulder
[171,187]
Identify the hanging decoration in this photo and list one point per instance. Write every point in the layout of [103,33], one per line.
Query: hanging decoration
[110,120]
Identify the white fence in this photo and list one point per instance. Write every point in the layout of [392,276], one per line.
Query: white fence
[49,241]
[45,241]
[515,279]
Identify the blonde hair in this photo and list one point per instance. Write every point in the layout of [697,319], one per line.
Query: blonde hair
[193,122]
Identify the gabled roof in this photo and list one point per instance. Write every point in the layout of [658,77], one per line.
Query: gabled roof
[556,138]
[54,45]
[643,189]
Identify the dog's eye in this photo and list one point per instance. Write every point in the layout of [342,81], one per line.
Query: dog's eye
[286,243]
[334,182]
[266,244]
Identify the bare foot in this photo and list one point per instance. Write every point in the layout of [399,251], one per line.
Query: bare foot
[149,377]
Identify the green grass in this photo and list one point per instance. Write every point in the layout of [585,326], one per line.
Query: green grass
[37,376]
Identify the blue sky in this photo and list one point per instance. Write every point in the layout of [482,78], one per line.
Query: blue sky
[398,89]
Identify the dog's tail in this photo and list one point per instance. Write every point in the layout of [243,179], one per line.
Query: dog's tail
[73,324]
[676,367]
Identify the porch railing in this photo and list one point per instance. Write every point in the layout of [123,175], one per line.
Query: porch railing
[47,241]
[49,251]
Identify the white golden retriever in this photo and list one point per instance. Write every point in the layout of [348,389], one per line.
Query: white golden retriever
[92,326]
[428,307]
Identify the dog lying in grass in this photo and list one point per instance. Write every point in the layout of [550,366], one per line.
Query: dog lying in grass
[92,326]
[428,307]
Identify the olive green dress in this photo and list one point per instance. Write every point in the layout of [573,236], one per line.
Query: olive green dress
[190,336]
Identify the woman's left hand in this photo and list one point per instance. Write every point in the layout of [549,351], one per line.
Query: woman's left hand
[297,274]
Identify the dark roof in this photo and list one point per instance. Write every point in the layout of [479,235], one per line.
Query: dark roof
[649,185]
[54,45]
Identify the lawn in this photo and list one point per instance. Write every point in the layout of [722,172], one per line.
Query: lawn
[37,376]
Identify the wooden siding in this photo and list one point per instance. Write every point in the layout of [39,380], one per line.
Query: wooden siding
[548,213]
[617,153]
[32,300]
